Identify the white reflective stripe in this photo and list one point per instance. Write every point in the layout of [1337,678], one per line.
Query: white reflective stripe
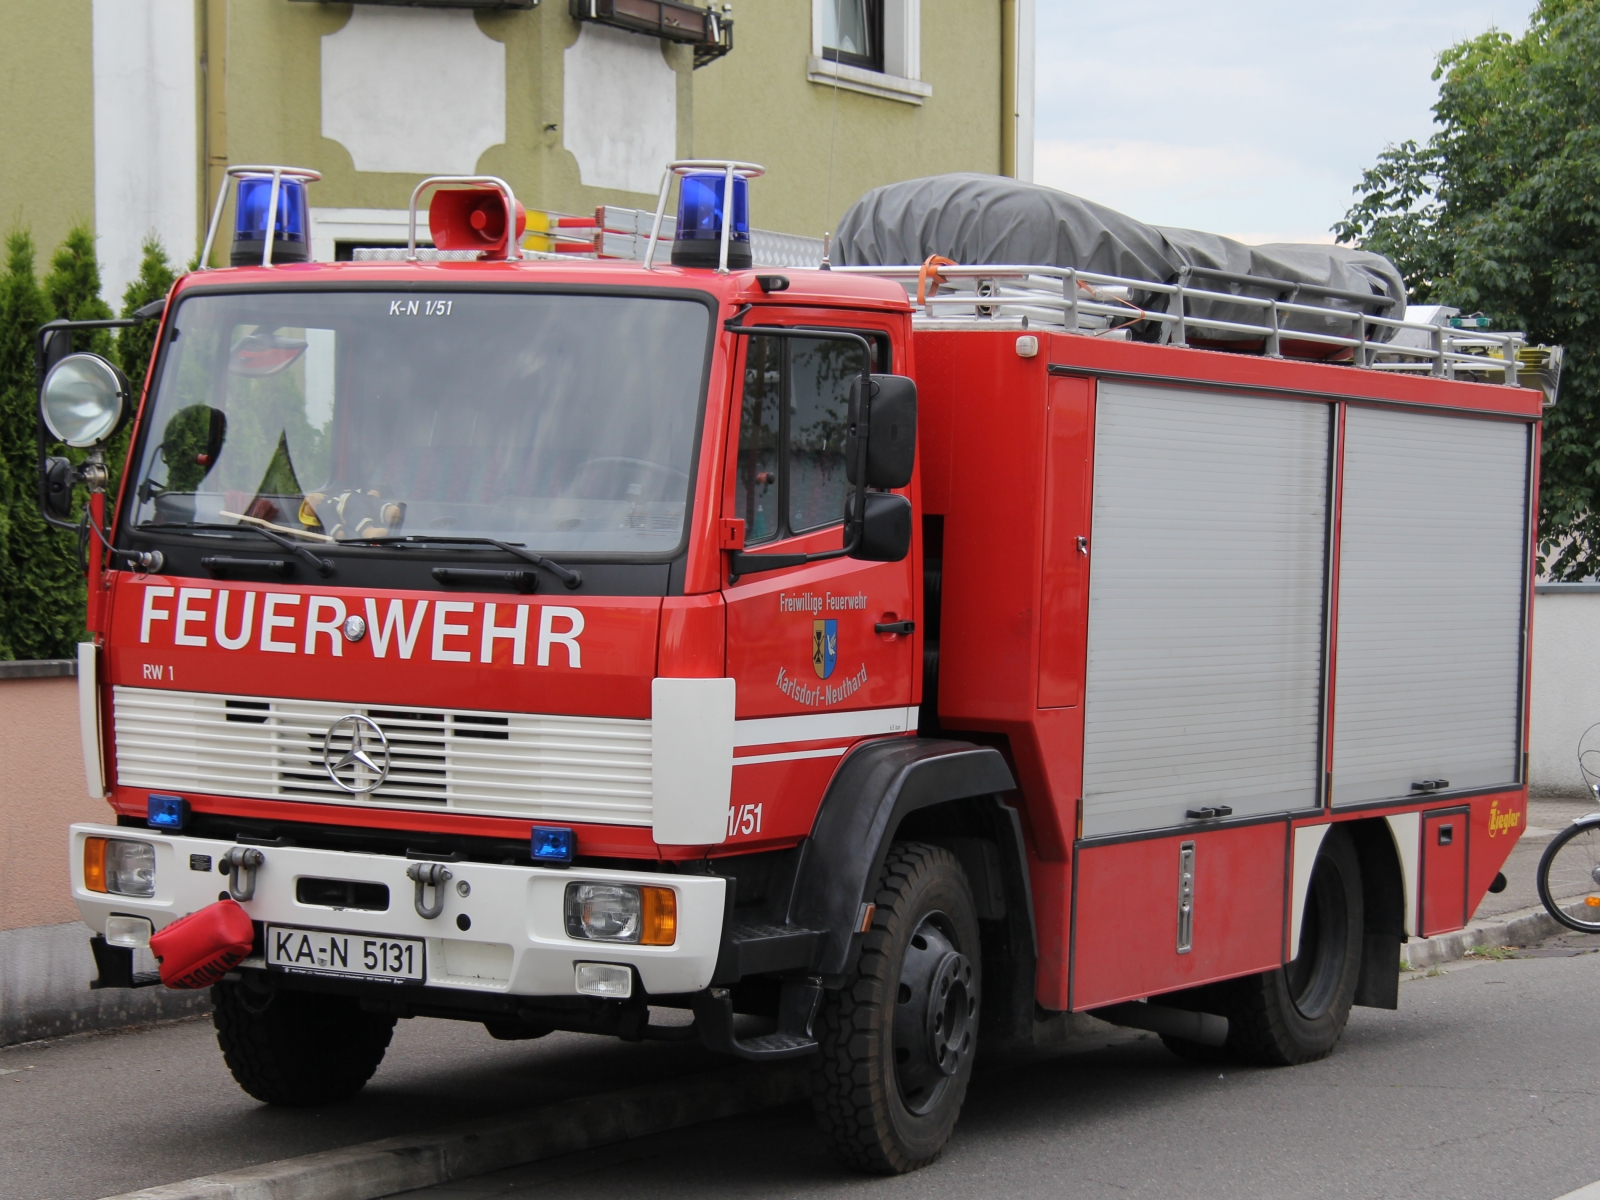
[821,727]
[1406,828]
[833,752]
[94,771]
[1307,842]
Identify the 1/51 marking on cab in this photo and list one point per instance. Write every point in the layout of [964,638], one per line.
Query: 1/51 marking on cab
[744,819]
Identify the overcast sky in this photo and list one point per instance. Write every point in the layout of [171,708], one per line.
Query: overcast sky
[1247,118]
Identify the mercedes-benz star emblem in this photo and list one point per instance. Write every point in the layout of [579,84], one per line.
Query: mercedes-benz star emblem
[364,763]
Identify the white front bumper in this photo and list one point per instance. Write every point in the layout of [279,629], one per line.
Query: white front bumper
[517,943]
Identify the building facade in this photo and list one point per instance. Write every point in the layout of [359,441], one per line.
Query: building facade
[126,113]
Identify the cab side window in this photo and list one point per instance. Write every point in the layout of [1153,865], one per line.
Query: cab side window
[791,476]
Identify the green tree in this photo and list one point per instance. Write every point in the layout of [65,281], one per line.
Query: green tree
[136,343]
[1499,213]
[41,590]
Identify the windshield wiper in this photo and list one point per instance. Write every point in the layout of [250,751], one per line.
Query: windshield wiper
[322,566]
[573,579]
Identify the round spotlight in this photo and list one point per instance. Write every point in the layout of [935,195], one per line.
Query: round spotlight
[83,400]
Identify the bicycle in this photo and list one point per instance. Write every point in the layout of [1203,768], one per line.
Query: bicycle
[1569,868]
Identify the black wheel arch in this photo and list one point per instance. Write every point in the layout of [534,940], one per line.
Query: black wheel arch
[941,791]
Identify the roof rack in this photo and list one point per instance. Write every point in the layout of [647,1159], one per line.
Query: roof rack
[1083,302]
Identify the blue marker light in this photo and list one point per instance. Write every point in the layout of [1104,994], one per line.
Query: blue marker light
[167,812]
[289,228]
[699,239]
[552,845]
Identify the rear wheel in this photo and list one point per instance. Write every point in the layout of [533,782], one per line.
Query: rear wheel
[1569,871]
[1296,1013]
[299,1049]
[897,1040]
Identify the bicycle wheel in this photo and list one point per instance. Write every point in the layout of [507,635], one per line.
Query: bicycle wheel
[1569,876]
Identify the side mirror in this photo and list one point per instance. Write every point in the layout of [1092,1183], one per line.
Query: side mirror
[885,529]
[55,488]
[83,400]
[888,421]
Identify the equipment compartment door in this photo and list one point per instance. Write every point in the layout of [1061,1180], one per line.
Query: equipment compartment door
[1433,569]
[1206,606]
[1444,871]
[1158,914]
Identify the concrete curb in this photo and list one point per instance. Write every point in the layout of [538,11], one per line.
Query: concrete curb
[402,1164]
[1519,928]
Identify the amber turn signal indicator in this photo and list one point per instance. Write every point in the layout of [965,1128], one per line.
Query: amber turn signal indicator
[660,925]
[94,864]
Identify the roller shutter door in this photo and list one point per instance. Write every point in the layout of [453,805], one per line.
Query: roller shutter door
[1432,568]
[1206,600]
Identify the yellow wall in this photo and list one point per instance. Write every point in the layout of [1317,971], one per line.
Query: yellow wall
[823,148]
[46,120]
[757,104]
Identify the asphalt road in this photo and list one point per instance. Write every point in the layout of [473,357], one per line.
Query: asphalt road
[100,1114]
[1483,1084]
[1475,1087]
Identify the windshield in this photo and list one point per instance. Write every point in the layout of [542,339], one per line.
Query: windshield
[562,422]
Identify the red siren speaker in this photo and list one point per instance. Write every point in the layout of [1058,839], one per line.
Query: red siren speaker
[472,219]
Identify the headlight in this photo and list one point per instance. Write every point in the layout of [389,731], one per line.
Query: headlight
[620,912]
[83,399]
[119,867]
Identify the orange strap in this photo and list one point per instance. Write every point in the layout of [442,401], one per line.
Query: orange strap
[930,270]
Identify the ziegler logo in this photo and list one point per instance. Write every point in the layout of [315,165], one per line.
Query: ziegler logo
[292,623]
[1502,822]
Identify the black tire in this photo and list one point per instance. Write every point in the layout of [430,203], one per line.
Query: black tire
[1570,868]
[299,1049]
[898,1039]
[1296,1013]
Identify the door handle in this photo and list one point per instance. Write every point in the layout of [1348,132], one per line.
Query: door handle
[895,627]
[1083,544]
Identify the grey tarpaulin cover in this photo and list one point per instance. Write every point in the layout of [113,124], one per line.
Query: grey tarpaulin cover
[979,219]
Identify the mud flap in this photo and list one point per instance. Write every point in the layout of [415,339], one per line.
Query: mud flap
[1378,985]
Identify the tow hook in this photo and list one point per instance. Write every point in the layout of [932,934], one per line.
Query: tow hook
[242,862]
[426,873]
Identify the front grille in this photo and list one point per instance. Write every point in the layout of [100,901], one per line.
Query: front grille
[550,768]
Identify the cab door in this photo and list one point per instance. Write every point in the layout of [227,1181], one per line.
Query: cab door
[821,653]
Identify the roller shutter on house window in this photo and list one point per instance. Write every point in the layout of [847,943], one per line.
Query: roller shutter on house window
[1206,598]
[1433,556]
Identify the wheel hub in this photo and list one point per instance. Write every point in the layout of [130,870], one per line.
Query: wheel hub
[935,1020]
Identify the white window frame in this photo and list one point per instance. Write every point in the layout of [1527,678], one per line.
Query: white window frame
[902,57]
[370,226]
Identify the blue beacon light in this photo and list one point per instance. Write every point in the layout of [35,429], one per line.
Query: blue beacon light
[699,238]
[290,226]
[551,845]
[167,812]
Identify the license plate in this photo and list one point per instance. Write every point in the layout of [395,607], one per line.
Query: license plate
[323,952]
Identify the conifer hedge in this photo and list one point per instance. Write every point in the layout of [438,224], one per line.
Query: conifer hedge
[41,584]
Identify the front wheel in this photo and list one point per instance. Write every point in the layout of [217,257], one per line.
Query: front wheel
[299,1049]
[1569,870]
[1296,1013]
[897,1040]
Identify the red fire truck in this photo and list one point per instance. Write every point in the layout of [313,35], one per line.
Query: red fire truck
[873,663]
